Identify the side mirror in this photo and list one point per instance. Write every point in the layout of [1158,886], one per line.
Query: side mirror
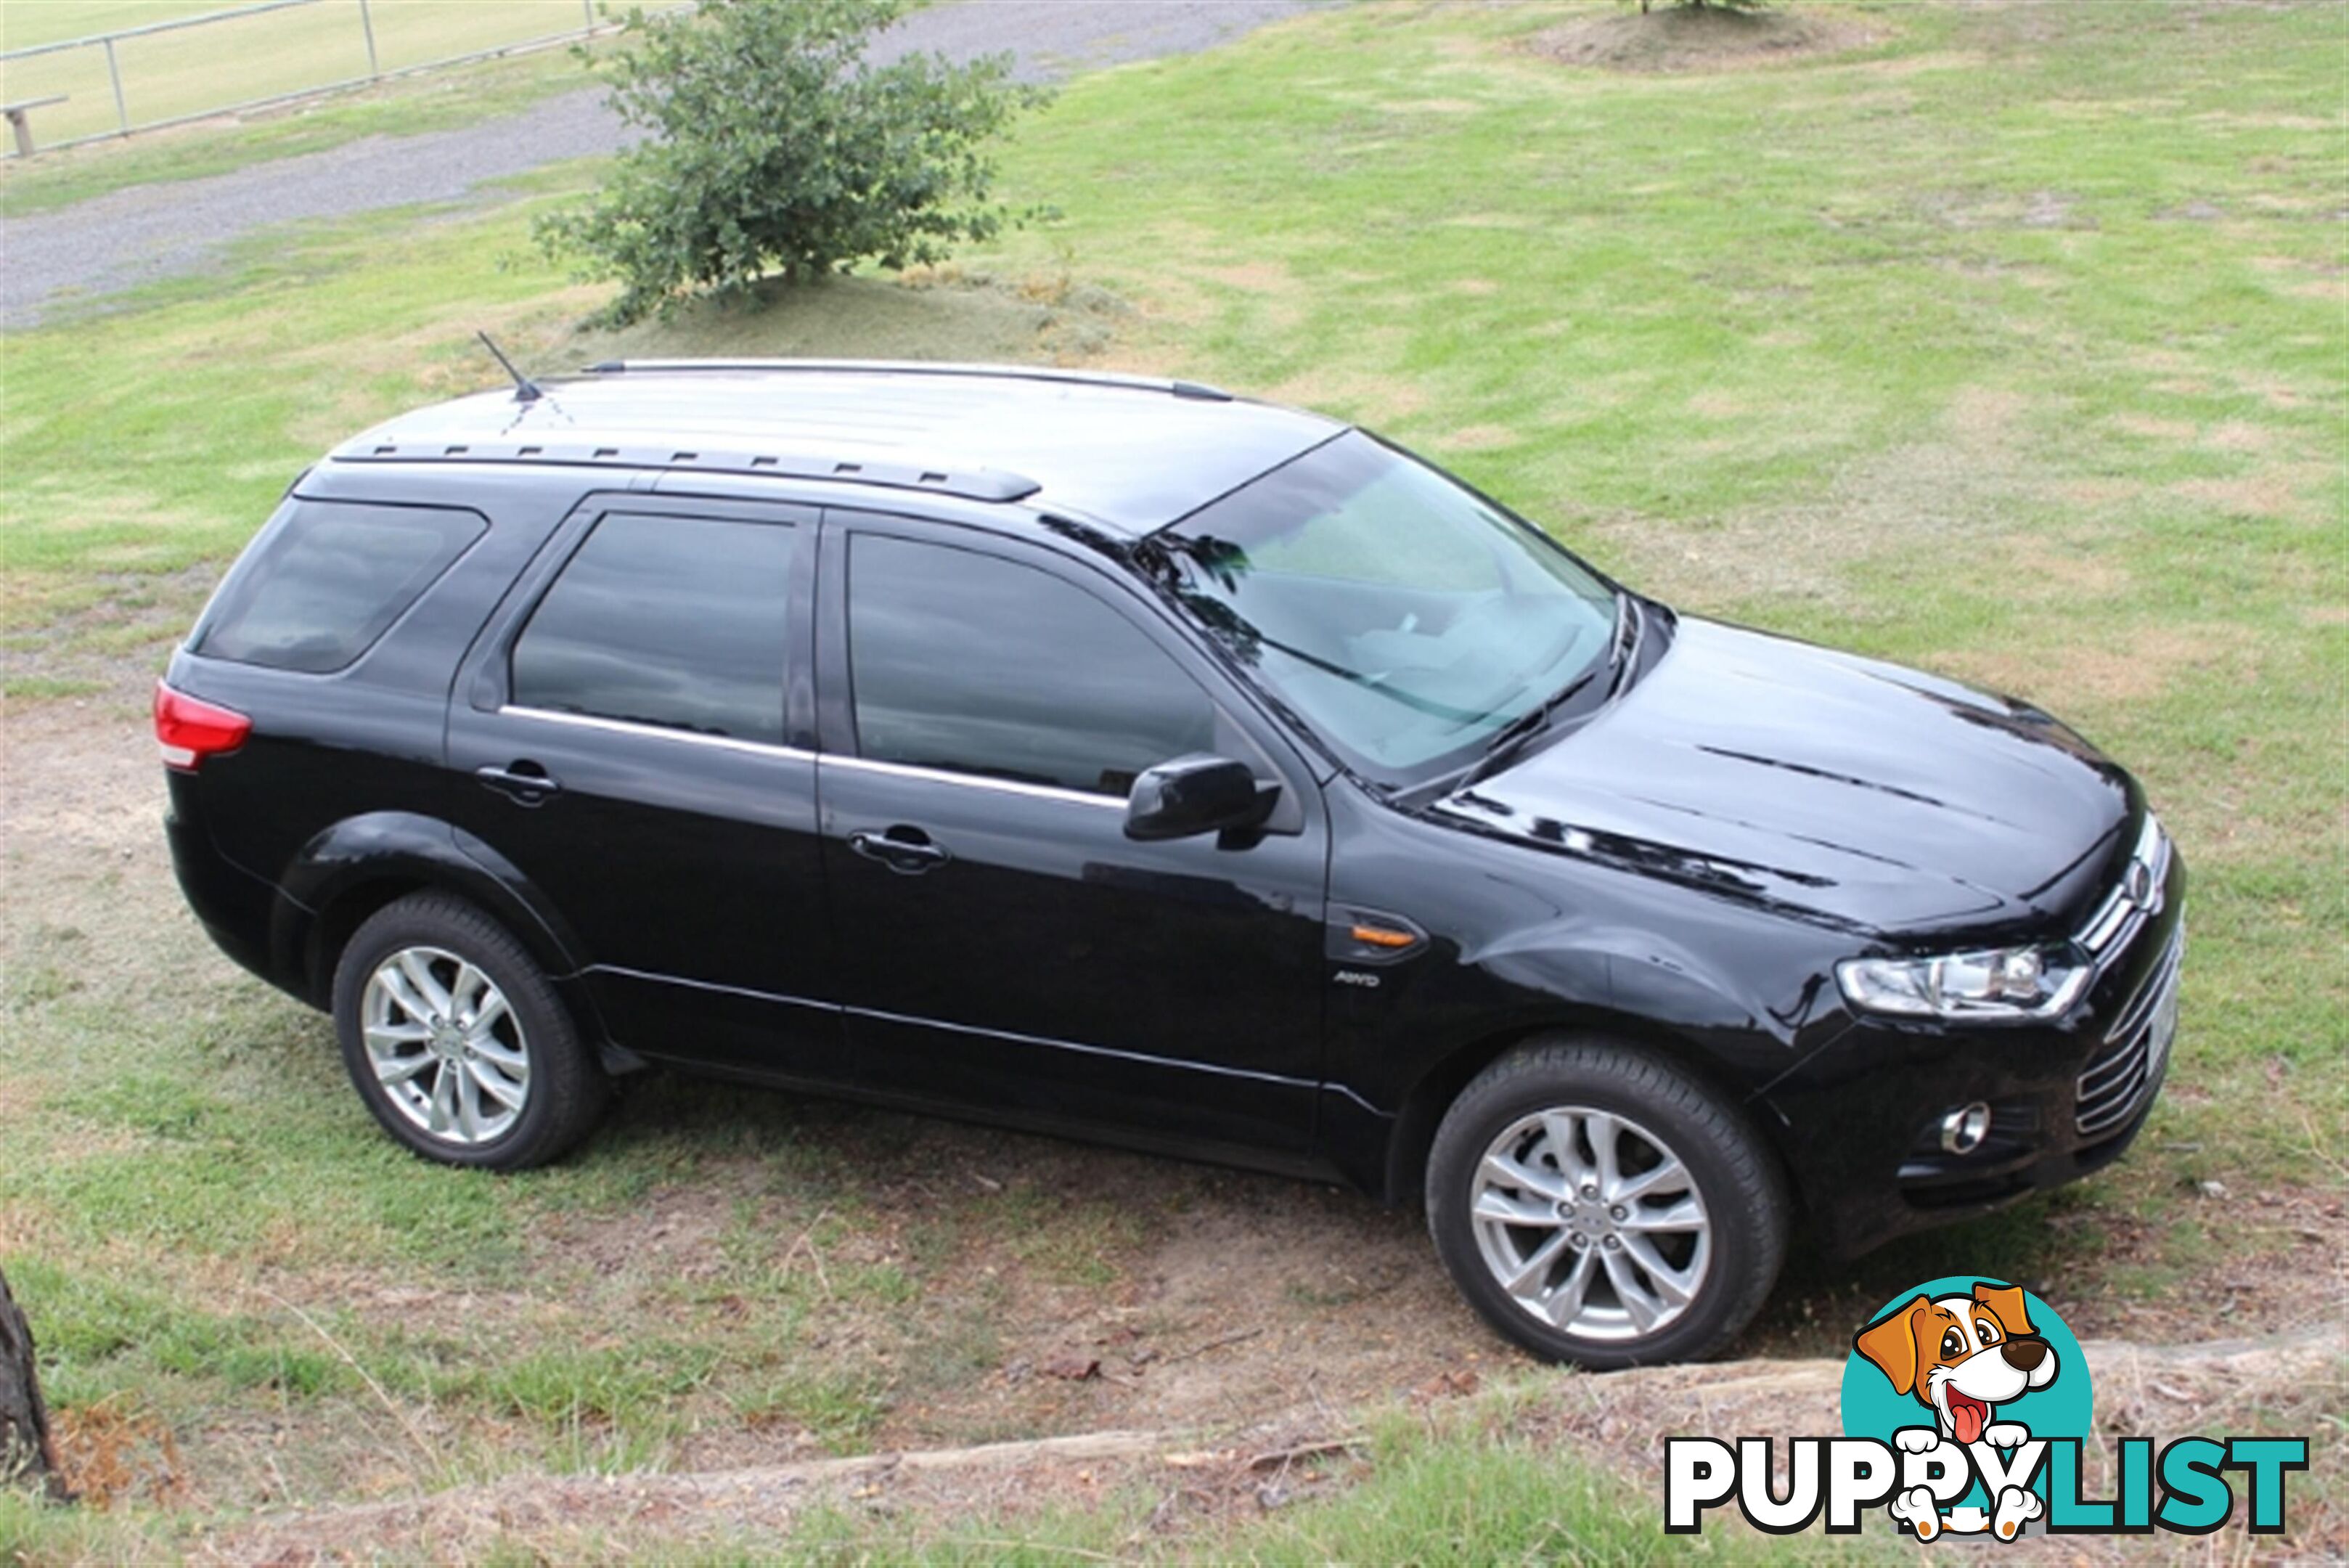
[1194,794]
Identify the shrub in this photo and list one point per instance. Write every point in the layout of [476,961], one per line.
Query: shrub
[775,151]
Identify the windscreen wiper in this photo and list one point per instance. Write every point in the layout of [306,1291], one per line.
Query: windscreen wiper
[1393,693]
[1513,737]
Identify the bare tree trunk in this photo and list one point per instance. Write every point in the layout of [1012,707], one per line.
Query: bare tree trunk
[25,1447]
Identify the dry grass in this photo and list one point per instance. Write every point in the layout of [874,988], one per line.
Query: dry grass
[1673,39]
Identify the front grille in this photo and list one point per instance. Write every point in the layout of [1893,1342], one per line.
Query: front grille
[2120,1077]
[2144,888]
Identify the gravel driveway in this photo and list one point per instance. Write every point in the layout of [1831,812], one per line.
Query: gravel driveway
[135,237]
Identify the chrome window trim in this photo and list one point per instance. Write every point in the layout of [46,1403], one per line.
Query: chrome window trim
[770,749]
[658,731]
[976,781]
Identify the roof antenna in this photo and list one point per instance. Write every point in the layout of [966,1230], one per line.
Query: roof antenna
[525,390]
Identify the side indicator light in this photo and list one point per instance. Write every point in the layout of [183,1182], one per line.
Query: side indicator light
[1379,937]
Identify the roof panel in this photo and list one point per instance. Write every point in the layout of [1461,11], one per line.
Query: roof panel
[1130,455]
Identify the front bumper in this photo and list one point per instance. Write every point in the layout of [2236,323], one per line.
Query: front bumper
[2066,1099]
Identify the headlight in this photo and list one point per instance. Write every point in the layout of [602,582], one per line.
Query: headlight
[1986,985]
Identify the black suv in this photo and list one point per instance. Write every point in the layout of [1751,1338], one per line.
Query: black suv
[1123,759]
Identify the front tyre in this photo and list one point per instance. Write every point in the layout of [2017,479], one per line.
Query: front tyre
[457,1043]
[1598,1205]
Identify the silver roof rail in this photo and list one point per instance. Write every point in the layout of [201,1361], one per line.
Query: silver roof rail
[919,367]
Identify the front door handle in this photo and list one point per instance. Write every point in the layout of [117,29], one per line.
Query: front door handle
[525,781]
[905,850]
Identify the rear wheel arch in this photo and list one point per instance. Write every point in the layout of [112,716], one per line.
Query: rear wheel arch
[332,928]
[349,872]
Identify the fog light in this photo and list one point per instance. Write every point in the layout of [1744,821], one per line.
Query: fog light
[1963,1129]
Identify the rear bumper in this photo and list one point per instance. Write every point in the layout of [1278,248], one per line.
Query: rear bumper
[235,907]
[2065,1101]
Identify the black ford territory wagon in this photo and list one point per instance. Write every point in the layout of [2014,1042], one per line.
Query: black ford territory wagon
[1123,759]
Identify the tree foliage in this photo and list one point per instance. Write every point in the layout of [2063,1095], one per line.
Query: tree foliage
[775,150]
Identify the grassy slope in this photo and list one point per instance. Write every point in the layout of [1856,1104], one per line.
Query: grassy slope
[2014,352]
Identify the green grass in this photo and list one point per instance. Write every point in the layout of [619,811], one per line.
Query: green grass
[2010,346]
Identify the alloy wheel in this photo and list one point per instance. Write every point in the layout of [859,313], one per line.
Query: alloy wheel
[1591,1223]
[445,1046]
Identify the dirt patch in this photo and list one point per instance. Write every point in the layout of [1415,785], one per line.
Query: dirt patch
[930,313]
[1927,63]
[1275,295]
[2155,428]
[2065,570]
[2143,664]
[1677,39]
[1369,397]
[2265,492]
[2098,491]
[1479,438]
[1715,404]
[1985,416]
[2239,435]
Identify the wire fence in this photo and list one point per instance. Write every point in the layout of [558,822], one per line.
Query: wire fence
[191,68]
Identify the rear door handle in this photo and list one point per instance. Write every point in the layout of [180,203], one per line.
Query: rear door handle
[526,782]
[905,850]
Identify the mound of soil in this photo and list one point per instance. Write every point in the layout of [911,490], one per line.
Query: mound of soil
[1683,38]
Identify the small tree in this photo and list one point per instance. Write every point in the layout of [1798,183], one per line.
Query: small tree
[776,151]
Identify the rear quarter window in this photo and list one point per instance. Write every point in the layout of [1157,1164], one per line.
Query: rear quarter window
[326,578]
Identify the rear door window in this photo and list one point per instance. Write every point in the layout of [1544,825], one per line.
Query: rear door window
[327,578]
[677,622]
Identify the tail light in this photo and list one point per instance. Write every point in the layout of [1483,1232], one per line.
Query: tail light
[190,731]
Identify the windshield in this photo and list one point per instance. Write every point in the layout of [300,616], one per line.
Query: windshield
[1403,617]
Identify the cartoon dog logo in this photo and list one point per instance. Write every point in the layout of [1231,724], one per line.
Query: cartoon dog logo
[1962,1356]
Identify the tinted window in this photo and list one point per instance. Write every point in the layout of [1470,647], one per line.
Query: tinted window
[979,665]
[675,621]
[325,579]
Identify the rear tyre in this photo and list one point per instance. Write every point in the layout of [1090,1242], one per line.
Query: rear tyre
[1598,1205]
[456,1040]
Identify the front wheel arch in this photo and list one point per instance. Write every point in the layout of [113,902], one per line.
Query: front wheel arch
[1428,1098]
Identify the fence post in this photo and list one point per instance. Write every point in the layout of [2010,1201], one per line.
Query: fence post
[589,7]
[367,26]
[114,71]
